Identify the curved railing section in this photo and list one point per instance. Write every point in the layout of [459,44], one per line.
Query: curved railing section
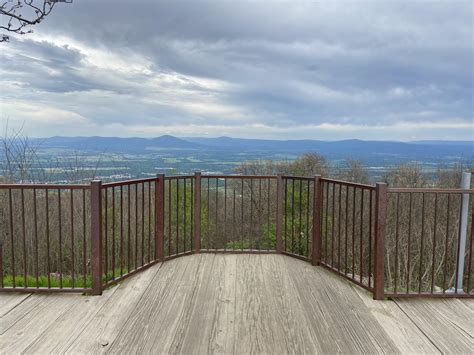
[84,238]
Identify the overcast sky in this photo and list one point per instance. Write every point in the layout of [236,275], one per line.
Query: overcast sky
[286,70]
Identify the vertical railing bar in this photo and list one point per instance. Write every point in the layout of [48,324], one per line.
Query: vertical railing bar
[60,241]
[233,217]
[136,225]
[409,242]
[333,227]
[106,232]
[121,231]
[286,212]
[259,229]
[346,242]
[23,227]
[242,214]
[72,239]
[353,230]
[292,215]
[448,210]
[35,233]
[47,241]
[251,229]
[170,209]
[84,239]
[326,220]
[114,217]
[397,227]
[361,250]
[177,217]
[208,246]
[225,213]
[300,213]
[149,222]
[308,194]
[434,243]
[193,181]
[339,230]
[268,214]
[184,215]
[129,230]
[216,231]
[370,237]
[420,275]
[143,223]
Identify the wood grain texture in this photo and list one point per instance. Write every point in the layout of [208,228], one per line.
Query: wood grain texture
[233,304]
[449,326]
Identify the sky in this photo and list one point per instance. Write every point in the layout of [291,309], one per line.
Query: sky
[373,70]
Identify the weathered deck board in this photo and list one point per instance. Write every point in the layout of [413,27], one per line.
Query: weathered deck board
[106,324]
[404,333]
[240,304]
[9,301]
[447,328]
[349,326]
[31,319]
[154,319]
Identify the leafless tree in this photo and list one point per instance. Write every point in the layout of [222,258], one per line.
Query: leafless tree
[17,16]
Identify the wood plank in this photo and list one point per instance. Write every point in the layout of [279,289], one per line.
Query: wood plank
[8,301]
[25,323]
[403,332]
[294,335]
[63,332]
[450,331]
[255,330]
[154,318]
[350,327]
[105,325]
[209,322]
[177,320]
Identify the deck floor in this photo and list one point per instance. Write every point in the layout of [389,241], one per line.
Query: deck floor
[216,303]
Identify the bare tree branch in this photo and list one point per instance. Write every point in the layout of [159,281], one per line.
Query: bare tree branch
[17,16]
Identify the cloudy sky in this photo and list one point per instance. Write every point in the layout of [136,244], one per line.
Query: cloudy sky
[286,70]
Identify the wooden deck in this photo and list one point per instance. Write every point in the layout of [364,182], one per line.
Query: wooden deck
[239,304]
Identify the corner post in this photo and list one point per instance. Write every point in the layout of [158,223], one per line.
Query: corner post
[317,242]
[197,213]
[279,214]
[464,219]
[379,259]
[96,235]
[160,216]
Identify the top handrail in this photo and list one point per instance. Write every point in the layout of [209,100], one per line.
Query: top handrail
[348,183]
[45,186]
[223,176]
[129,182]
[429,190]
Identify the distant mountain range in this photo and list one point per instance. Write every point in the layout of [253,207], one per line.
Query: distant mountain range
[332,149]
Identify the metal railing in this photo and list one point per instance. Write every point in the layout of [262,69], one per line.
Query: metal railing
[83,238]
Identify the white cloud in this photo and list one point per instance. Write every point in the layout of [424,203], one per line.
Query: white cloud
[306,70]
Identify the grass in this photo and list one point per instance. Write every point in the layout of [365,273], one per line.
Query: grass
[55,282]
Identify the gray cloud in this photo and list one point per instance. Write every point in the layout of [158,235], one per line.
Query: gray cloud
[376,69]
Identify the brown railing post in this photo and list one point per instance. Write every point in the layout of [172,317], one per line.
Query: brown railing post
[197,213]
[160,216]
[379,260]
[279,214]
[316,252]
[96,236]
